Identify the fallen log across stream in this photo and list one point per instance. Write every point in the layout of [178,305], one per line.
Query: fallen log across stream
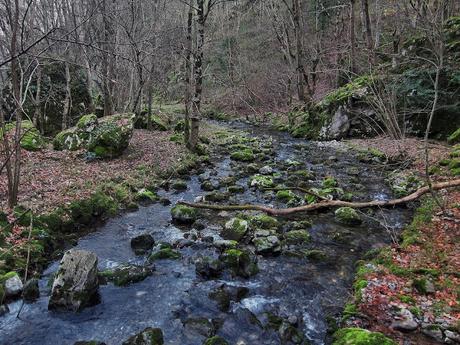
[325,204]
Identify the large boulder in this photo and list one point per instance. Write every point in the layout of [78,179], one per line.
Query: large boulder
[112,136]
[31,139]
[338,127]
[105,138]
[76,282]
[149,336]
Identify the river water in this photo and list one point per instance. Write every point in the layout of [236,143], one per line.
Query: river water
[306,290]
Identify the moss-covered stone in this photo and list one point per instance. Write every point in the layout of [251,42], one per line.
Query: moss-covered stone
[149,336]
[68,140]
[87,122]
[98,205]
[403,183]
[235,229]
[235,189]
[183,214]
[146,195]
[261,181]
[215,341]
[126,274]
[358,336]
[240,262]
[297,236]
[164,252]
[245,155]
[179,185]
[348,216]
[454,138]
[267,244]
[262,221]
[31,139]
[285,195]
[330,182]
[111,137]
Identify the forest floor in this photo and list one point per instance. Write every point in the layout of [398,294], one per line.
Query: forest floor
[50,178]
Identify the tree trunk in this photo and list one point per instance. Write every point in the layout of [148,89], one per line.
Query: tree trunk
[37,102]
[106,70]
[68,98]
[188,72]
[368,29]
[16,88]
[300,53]
[352,38]
[198,71]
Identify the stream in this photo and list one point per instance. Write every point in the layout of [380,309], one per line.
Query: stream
[299,289]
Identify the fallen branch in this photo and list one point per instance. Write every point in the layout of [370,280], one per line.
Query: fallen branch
[325,204]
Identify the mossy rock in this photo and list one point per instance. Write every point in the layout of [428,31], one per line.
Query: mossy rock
[240,262]
[235,229]
[111,137]
[126,274]
[31,139]
[286,195]
[262,221]
[454,138]
[183,214]
[297,236]
[69,139]
[246,155]
[179,185]
[304,174]
[87,122]
[261,181]
[98,205]
[404,184]
[215,341]
[149,336]
[146,195]
[235,189]
[164,253]
[358,336]
[330,182]
[348,216]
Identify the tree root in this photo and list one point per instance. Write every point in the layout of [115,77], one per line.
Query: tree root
[326,204]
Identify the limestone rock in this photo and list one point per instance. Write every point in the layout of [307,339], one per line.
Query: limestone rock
[76,283]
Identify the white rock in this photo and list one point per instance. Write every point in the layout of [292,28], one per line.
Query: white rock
[13,287]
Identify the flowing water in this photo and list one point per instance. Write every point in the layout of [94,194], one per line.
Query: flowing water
[286,286]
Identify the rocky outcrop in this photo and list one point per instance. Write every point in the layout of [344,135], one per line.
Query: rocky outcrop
[76,282]
[338,127]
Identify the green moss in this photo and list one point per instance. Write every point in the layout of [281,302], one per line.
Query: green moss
[179,185]
[7,276]
[215,341]
[240,262]
[406,299]
[246,155]
[420,285]
[176,138]
[423,216]
[126,275]
[455,172]
[235,229]
[98,205]
[297,236]
[357,88]
[285,195]
[235,189]
[305,174]
[184,214]
[348,216]
[31,139]
[358,336]
[261,181]
[87,121]
[330,182]
[165,254]
[315,254]
[350,310]
[454,137]
[263,221]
